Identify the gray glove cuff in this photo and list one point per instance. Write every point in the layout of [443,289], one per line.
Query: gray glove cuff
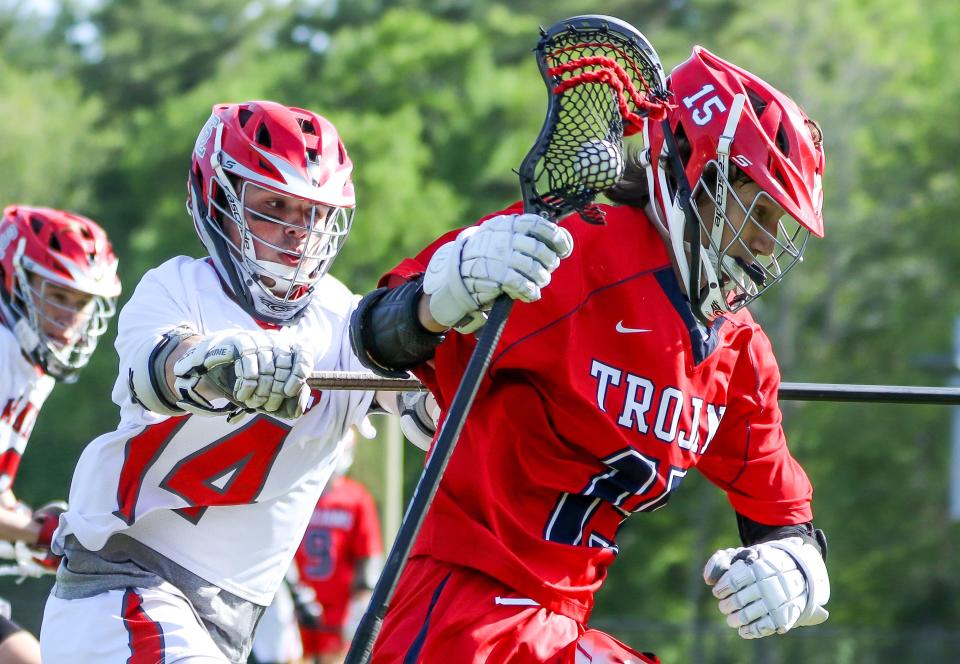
[147,379]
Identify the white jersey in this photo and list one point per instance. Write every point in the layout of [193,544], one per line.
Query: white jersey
[23,389]
[227,501]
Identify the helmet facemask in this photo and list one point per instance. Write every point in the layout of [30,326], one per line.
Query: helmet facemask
[61,336]
[313,244]
[730,272]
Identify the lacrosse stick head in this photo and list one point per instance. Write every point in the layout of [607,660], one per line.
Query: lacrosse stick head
[603,78]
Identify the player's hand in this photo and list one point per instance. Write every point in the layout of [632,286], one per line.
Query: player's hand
[513,254]
[249,369]
[48,518]
[770,587]
[419,414]
[306,607]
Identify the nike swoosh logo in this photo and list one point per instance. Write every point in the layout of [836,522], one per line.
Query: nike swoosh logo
[629,330]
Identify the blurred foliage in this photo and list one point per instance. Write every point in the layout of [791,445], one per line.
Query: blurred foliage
[437,102]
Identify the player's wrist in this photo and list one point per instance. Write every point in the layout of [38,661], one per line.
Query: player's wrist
[151,378]
[426,319]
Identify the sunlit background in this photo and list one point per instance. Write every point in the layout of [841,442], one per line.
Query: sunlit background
[437,101]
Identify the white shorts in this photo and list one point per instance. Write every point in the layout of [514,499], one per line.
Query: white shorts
[132,626]
[278,638]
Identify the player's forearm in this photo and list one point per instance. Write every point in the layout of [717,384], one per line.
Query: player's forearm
[393,331]
[18,527]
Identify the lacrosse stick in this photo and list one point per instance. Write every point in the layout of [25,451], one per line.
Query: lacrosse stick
[844,393]
[356,380]
[603,77]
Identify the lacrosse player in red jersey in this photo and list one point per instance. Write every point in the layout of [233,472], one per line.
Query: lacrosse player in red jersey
[59,288]
[340,558]
[183,521]
[608,386]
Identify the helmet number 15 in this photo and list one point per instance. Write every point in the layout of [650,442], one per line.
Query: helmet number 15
[704,113]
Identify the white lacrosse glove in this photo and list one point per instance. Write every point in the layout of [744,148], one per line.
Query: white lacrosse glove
[419,414]
[248,369]
[512,254]
[770,587]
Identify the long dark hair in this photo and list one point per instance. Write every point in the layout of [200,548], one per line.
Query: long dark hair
[632,188]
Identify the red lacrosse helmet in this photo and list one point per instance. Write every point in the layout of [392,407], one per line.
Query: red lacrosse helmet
[244,150]
[50,260]
[727,114]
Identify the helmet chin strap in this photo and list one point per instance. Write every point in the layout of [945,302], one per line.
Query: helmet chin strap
[698,269]
[283,276]
[24,329]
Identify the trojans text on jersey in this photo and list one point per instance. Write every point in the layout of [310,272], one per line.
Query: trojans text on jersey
[647,408]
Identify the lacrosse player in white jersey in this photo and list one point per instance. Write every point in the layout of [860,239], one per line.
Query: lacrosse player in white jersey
[183,521]
[59,286]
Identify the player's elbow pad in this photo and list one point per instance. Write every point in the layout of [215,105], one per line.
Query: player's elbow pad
[386,333]
[146,374]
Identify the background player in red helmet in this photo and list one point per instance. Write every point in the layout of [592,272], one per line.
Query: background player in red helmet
[340,557]
[59,288]
[637,364]
[183,521]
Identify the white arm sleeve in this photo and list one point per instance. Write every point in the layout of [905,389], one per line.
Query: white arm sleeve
[149,326]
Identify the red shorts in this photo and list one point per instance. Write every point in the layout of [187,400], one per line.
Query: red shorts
[322,641]
[443,613]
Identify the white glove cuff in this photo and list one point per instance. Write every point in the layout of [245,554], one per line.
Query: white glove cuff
[814,570]
[147,374]
[419,414]
[450,302]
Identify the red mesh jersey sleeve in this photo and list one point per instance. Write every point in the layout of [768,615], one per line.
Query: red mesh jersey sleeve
[749,457]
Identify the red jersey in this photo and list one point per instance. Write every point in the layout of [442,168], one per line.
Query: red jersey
[343,530]
[599,399]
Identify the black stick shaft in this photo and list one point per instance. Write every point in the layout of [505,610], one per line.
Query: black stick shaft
[845,393]
[870,393]
[362,646]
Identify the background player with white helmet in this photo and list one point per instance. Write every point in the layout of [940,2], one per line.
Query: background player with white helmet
[59,288]
[637,364]
[184,520]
